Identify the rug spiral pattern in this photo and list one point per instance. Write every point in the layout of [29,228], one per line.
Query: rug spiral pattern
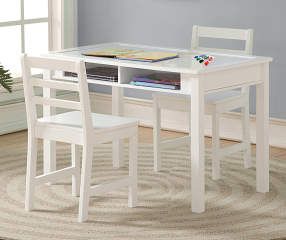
[233,208]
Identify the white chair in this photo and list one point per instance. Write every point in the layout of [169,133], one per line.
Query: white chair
[79,128]
[216,103]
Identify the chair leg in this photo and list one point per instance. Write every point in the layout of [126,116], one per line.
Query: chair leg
[31,172]
[215,146]
[75,150]
[87,156]
[49,154]
[133,155]
[156,136]
[246,136]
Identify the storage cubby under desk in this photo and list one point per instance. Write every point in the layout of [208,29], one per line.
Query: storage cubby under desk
[101,74]
[127,76]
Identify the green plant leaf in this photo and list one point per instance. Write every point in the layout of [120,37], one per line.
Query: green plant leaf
[5,79]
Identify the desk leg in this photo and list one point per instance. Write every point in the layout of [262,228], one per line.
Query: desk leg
[49,147]
[197,146]
[262,132]
[117,145]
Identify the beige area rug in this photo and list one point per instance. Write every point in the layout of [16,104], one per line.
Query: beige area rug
[233,209]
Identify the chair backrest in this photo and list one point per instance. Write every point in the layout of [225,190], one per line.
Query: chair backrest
[49,65]
[222,33]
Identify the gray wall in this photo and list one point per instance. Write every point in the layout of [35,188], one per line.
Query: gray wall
[169,23]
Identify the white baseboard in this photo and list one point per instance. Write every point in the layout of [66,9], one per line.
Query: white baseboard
[13,118]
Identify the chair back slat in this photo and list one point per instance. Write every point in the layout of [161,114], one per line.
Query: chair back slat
[49,101]
[219,50]
[37,82]
[223,33]
[59,103]
[51,64]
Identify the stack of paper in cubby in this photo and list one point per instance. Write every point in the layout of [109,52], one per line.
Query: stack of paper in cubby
[104,73]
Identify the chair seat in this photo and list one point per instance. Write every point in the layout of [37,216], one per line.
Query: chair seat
[99,121]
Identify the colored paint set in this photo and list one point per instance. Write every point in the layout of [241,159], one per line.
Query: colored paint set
[204,59]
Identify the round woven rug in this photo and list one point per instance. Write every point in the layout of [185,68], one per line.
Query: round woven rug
[233,208]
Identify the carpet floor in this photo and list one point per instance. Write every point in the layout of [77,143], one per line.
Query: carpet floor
[233,208]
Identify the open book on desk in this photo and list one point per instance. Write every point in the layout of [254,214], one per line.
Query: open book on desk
[133,55]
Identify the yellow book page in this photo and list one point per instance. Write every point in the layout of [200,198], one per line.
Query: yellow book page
[111,52]
[151,56]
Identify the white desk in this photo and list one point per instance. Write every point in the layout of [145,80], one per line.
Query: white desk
[227,72]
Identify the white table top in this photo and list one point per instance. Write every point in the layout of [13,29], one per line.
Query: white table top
[183,64]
